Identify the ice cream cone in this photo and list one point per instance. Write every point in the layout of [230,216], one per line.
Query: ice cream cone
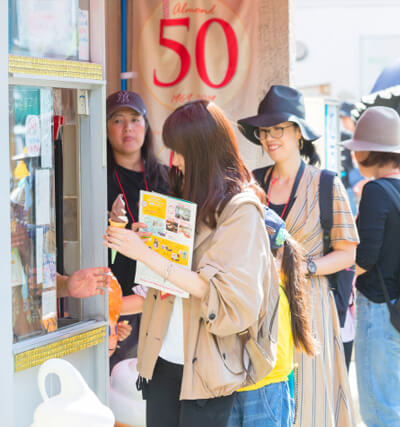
[118,225]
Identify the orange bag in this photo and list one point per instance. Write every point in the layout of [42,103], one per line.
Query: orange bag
[114,310]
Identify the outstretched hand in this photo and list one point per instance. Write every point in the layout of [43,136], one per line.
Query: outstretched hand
[88,282]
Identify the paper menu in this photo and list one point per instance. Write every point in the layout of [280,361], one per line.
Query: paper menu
[172,224]
[42,196]
[46,111]
[18,276]
[83,32]
[39,255]
[32,135]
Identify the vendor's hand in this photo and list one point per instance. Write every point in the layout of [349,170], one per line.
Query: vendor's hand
[118,211]
[127,242]
[88,282]
[123,330]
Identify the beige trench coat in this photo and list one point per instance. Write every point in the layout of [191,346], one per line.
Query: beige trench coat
[236,262]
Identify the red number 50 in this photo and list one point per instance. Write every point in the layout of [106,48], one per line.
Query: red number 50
[184,56]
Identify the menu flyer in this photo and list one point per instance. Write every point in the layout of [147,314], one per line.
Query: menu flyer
[172,224]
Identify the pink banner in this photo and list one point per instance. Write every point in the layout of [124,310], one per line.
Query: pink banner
[187,50]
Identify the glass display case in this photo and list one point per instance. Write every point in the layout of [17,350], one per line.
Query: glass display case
[32,210]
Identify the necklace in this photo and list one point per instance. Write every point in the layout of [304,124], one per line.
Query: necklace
[123,192]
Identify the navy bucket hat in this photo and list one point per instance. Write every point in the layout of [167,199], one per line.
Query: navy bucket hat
[280,104]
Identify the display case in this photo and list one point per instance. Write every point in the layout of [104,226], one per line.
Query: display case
[32,212]
[57,204]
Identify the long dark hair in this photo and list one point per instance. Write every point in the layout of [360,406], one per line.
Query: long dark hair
[155,173]
[214,170]
[308,151]
[298,296]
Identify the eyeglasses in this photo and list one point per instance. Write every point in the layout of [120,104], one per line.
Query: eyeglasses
[274,132]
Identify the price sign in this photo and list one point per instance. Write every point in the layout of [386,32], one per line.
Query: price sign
[32,135]
[193,50]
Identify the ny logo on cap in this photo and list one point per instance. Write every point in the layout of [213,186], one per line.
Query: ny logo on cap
[123,98]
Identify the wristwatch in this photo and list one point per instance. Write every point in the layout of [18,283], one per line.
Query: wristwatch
[311,267]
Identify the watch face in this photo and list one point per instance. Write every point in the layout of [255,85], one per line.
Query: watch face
[311,266]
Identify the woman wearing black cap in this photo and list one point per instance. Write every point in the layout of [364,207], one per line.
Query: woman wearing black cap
[292,188]
[132,166]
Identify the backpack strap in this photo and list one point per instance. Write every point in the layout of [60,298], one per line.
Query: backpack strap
[326,206]
[384,288]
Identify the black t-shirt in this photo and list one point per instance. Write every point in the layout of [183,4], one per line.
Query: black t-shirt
[132,182]
[378,225]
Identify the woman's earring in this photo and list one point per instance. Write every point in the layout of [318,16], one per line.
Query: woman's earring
[301,143]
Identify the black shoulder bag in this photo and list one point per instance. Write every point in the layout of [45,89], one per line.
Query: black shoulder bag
[341,282]
[394,309]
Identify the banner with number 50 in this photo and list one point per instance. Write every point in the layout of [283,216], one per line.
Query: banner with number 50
[195,49]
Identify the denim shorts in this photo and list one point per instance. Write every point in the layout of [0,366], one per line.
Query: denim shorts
[269,406]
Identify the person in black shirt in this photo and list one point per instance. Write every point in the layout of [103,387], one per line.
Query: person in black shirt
[376,143]
[131,167]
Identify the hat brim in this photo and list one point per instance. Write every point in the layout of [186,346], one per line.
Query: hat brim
[359,145]
[249,124]
[118,107]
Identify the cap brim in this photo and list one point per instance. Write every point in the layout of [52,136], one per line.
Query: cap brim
[118,107]
[359,145]
[249,124]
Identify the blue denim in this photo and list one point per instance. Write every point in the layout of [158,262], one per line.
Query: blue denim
[269,406]
[377,350]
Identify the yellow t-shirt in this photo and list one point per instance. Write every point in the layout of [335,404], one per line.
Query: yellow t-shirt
[284,357]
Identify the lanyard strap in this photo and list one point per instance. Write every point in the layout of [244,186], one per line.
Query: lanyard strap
[123,192]
[296,183]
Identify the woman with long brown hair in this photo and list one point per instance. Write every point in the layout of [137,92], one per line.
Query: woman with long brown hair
[268,402]
[292,188]
[190,354]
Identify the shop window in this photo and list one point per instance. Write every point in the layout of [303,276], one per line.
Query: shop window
[44,207]
[49,29]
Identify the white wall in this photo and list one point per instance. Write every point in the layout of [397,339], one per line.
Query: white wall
[331,30]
